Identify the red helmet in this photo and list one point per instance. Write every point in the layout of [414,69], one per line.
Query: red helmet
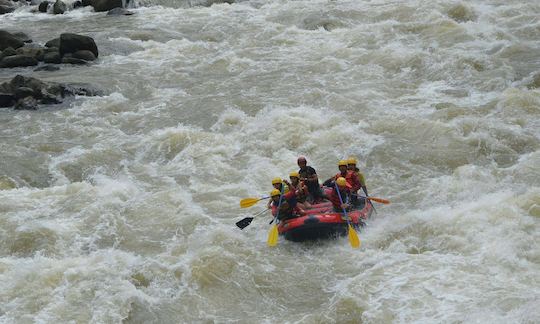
[301,159]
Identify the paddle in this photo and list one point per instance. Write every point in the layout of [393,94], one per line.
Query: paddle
[375,199]
[353,237]
[248,202]
[273,235]
[246,221]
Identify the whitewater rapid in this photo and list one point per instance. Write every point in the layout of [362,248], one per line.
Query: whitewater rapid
[121,208]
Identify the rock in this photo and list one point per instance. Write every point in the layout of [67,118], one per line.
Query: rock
[86,3]
[51,49]
[59,7]
[22,37]
[6,7]
[77,4]
[20,81]
[28,103]
[49,98]
[47,67]
[84,55]
[18,60]
[6,100]
[106,5]
[81,89]
[23,92]
[72,60]
[43,6]
[35,52]
[53,43]
[8,40]
[71,43]
[9,52]
[119,12]
[53,57]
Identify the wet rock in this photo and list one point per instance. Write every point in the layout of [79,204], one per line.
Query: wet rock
[86,3]
[9,40]
[81,89]
[18,60]
[71,43]
[6,7]
[9,52]
[43,6]
[77,4]
[461,13]
[20,81]
[6,100]
[47,67]
[28,103]
[59,7]
[53,43]
[535,83]
[34,52]
[52,57]
[84,55]
[106,5]
[119,12]
[22,37]
[23,92]
[72,60]
[208,3]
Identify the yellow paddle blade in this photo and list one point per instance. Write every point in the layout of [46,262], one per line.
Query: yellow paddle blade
[379,200]
[273,236]
[248,202]
[353,238]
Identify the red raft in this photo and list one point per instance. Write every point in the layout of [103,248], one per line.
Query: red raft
[321,222]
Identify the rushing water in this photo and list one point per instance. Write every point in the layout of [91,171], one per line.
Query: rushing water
[121,208]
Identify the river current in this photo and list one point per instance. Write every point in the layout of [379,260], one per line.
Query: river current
[121,208]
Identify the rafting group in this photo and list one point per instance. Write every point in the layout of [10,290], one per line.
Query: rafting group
[305,210]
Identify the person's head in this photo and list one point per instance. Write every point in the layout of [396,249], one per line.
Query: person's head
[351,163]
[274,195]
[302,162]
[295,177]
[276,183]
[342,165]
[342,184]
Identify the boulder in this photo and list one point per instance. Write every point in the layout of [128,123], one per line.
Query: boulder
[43,6]
[119,12]
[35,52]
[84,55]
[53,43]
[59,7]
[72,60]
[52,57]
[9,52]
[86,3]
[9,40]
[77,4]
[106,5]
[20,81]
[47,67]
[18,60]
[6,7]
[28,103]
[71,43]
[6,100]
[22,37]
[23,92]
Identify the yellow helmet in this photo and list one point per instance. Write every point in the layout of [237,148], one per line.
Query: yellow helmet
[351,160]
[294,174]
[341,182]
[276,181]
[275,192]
[342,162]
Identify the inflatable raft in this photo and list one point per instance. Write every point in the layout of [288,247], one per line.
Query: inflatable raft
[321,222]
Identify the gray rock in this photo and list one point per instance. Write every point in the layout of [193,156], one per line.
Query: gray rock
[72,60]
[35,52]
[49,98]
[119,12]
[86,3]
[28,103]
[77,4]
[23,92]
[8,40]
[22,37]
[71,43]
[53,43]
[51,49]
[20,81]
[47,67]
[84,55]
[106,5]
[6,100]
[9,52]
[82,89]
[59,7]
[52,57]
[18,60]
[6,7]
[43,6]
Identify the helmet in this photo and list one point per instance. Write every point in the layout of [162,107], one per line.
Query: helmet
[294,174]
[341,182]
[301,159]
[275,192]
[276,181]
[351,160]
[342,162]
